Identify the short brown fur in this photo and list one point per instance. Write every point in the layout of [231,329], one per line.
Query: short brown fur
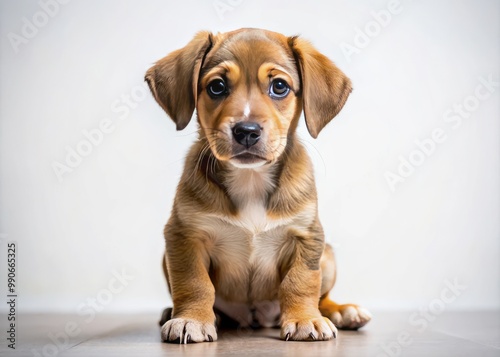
[244,228]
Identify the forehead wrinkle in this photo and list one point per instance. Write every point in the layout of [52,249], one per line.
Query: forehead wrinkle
[210,64]
[249,53]
[221,68]
[251,62]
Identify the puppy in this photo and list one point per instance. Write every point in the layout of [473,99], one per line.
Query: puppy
[244,238]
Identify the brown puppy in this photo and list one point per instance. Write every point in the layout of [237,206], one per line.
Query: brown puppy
[244,236]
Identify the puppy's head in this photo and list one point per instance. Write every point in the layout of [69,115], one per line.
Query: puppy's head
[248,87]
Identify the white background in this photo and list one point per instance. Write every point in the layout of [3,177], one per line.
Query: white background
[394,249]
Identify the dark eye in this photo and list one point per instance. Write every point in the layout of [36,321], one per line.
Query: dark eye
[217,88]
[279,88]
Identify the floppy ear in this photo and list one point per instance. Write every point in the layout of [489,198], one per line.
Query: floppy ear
[173,80]
[325,88]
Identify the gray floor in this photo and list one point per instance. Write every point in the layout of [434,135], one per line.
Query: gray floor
[474,333]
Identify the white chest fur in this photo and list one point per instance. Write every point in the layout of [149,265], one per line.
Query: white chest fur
[249,188]
[244,249]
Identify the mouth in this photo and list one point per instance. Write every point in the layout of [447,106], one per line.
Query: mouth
[247,160]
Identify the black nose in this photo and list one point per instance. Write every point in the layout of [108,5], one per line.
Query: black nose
[246,133]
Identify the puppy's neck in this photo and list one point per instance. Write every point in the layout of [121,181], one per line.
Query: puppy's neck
[250,186]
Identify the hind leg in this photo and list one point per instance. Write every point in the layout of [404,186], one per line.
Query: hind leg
[346,316]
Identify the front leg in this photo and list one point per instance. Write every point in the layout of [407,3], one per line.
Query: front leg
[193,293]
[299,293]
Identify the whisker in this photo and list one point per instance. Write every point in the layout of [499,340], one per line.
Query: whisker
[183,135]
[310,144]
[199,159]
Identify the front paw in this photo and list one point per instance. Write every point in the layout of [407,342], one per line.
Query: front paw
[187,331]
[316,329]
